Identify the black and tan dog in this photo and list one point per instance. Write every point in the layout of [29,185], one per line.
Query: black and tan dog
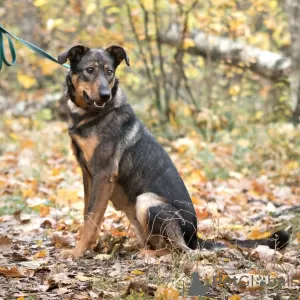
[122,162]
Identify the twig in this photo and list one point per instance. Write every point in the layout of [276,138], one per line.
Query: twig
[157,81]
[161,60]
[140,47]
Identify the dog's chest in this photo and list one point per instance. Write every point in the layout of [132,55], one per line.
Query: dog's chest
[84,146]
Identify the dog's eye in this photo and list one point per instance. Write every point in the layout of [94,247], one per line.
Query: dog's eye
[90,70]
[109,72]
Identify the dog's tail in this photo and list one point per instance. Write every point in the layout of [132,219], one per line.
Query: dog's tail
[277,240]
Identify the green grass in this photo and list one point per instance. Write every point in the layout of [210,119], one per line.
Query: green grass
[10,204]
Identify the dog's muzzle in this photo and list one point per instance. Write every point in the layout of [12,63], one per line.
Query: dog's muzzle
[93,103]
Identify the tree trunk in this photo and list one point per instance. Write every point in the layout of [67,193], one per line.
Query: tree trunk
[266,63]
[293,11]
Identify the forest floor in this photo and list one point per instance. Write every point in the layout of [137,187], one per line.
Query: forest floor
[242,184]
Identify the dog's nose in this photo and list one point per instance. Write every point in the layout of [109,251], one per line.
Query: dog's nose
[105,95]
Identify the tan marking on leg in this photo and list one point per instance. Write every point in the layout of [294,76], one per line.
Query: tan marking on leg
[138,229]
[87,185]
[100,195]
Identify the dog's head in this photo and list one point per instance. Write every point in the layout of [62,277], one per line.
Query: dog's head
[91,82]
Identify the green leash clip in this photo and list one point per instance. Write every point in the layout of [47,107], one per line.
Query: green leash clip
[34,48]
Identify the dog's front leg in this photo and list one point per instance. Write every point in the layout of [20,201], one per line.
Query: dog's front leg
[102,188]
[87,185]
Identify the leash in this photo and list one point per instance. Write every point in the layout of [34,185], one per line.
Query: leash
[32,47]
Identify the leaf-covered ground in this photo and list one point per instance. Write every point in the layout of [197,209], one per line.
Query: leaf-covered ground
[243,185]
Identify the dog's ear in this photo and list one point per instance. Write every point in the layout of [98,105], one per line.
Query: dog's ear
[117,53]
[74,54]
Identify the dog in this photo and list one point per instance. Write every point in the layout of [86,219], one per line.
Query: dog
[122,162]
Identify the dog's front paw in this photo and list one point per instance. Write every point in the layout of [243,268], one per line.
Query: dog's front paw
[68,255]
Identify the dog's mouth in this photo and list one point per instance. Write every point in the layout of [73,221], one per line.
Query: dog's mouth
[93,103]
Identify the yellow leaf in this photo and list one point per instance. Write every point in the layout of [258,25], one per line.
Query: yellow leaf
[187,111]
[40,254]
[173,121]
[257,234]
[54,23]
[67,195]
[14,136]
[298,236]
[90,8]
[27,193]
[39,3]
[234,90]
[27,144]
[258,115]
[21,298]
[188,43]
[293,165]
[44,210]
[234,297]
[25,80]
[270,23]
[148,4]
[47,66]
[137,272]
[56,171]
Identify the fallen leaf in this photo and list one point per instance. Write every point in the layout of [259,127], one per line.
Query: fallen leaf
[103,257]
[44,210]
[137,272]
[5,243]
[34,264]
[46,224]
[10,272]
[265,254]
[166,293]
[141,287]
[257,234]
[62,291]
[63,239]
[81,277]
[40,254]
[25,80]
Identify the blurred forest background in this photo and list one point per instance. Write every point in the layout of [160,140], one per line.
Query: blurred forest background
[216,81]
[221,61]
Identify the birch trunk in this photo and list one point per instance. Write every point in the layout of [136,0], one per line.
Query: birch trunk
[266,63]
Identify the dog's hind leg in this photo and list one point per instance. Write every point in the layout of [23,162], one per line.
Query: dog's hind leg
[138,229]
[160,222]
